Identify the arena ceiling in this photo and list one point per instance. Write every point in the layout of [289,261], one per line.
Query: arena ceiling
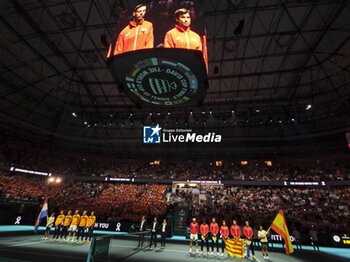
[278,70]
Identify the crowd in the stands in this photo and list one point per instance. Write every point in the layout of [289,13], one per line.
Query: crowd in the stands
[327,208]
[118,201]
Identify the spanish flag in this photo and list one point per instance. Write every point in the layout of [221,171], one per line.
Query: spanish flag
[279,225]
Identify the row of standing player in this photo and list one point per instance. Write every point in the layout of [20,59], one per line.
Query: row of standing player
[214,233]
[138,34]
[71,226]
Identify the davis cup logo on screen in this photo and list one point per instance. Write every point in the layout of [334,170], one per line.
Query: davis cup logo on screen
[151,134]
[163,82]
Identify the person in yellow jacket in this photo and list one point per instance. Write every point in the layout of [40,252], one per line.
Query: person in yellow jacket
[74,225]
[82,225]
[181,36]
[58,225]
[66,223]
[138,34]
[90,226]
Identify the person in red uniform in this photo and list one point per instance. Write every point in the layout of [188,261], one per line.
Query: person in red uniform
[248,234]
[224,231]
[204,230]
[235,230]
[214,229]
[138,34]
[181,36]
[194,234]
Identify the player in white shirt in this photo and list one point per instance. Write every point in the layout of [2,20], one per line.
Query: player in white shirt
[49,223]
[262,235]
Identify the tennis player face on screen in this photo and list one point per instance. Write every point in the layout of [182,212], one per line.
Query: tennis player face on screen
[184,20]
[139,13]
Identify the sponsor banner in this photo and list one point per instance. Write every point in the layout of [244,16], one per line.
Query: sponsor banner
[341,240]
[278,238]
[112,226]
[180,220]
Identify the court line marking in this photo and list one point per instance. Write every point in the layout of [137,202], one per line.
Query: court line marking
[27,244]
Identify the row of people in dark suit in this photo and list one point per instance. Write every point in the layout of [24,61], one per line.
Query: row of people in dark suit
[154,228]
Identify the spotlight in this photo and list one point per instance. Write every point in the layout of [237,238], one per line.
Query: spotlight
[308,107]
[257,110]
[51,179]
[74,114]
[85,123]
[168,113]
[58,180]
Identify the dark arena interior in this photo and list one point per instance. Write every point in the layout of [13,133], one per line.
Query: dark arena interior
[127,127]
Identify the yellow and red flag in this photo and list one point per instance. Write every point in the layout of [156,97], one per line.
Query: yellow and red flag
[235,247]
[279,225]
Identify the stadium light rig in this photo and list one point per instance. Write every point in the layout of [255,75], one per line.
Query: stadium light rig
[26,171]
[55,180]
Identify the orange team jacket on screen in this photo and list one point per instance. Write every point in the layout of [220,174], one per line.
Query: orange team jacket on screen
[134,37]
[91,221]
[179,38]
[59,220]
[76,220]
[83,220]
[67,220]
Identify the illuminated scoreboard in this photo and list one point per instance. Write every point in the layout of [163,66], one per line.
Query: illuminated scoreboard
[159,55]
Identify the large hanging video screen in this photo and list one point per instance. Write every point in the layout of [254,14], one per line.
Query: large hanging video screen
[159,54]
